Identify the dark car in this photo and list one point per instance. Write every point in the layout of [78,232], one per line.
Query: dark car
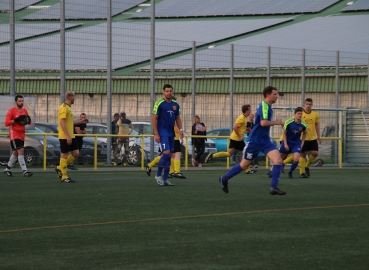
[33,148]
[87,151]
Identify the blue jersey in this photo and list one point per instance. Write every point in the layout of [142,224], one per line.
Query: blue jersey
[294,131]
[167,113]
[258,133]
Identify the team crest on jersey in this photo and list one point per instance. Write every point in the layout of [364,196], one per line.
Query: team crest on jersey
[174,108]
[300,128]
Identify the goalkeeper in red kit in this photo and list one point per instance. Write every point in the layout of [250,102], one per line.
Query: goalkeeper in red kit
[16,120]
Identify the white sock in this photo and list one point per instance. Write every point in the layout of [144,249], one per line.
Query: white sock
[22,163]
[12,161]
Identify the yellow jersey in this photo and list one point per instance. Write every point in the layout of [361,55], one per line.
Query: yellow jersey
[65,112]
[176,133]
[241,123]
[311,119]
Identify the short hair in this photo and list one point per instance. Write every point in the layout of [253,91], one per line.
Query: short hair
[69,94]
[116,114]
[245,108]
[268,90]
[82,114]
[167,86]
[309,100]
[299,109]
[17,96]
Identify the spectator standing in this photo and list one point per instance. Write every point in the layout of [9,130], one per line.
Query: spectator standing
[16,120]
[198,129]
[79,129]
[125,128]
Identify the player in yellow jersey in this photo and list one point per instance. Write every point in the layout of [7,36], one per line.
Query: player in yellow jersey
[237,136]
[68,142]
[312,119]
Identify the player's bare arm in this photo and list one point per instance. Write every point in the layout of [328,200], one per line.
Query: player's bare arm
[154,117]
[317,128]
[179,125]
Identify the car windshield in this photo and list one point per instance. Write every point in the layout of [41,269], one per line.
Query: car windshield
[36,130]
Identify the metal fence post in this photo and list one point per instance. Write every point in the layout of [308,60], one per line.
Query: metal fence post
[62,51]
[268,65]
[193,93]
[337,99]
[12,47]
[152,70]
[108,80]
[303,78]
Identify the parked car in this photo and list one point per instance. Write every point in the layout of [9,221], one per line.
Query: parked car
[97,128]
[145,128]
[87,151]
[33,148]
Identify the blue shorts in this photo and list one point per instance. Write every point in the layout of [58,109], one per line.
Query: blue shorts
[167,143]
[252,150]
[294,148]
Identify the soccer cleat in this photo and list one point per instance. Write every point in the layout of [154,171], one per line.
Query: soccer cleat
[148,170]
[223,185]
[72,167]
[178,175]
[307,171]
[168,183]
[8,172]
[27,174]
[193,162]
[290,175]
[68,180]
[251,172]
[170,175]
[58,172]
[256,166]
[276,191]
[209,157]
[159,180]
[3,163]
[303,176]
[282,169]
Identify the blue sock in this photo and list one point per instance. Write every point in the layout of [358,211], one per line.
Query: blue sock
[293,166]
[232,172]
[163,161]
[275,175]
[167,168]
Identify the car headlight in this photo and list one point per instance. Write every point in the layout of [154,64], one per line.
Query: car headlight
[48,145]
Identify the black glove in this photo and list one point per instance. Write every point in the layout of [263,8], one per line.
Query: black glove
[23,119]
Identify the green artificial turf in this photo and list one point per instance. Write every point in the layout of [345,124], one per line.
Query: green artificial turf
[124,220]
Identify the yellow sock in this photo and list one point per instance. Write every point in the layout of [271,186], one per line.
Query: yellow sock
[154,162]
[310,161]
[177,165]
[70,159]
[63,167]
[221,154]
[271,168]
[248,169]
[302,162]
[289,159]
[171,170]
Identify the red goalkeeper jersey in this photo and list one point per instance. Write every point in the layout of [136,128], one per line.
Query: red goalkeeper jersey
[16,130]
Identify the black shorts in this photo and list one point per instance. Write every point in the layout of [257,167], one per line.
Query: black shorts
[238,145]
[79,142]
[177,146]
[16,144]
[66,148]
[310,146]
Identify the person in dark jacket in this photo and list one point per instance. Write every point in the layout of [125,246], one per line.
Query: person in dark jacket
[198,129]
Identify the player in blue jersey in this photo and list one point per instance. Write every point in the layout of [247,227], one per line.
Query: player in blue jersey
[292,138]
[259,140]
[165,115]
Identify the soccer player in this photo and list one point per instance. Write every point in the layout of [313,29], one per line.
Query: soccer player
[68,142]
[79,129]
[236,138]
[292,138]
[165,115]
[259,140]
[16,119]
[312,119]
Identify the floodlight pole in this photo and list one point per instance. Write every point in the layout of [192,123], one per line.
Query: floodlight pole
[62,51]
[193,85]
[268,66]
[367,98]
[231,85]
[152,71]
[303,78]
[12,47]
[108,78]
